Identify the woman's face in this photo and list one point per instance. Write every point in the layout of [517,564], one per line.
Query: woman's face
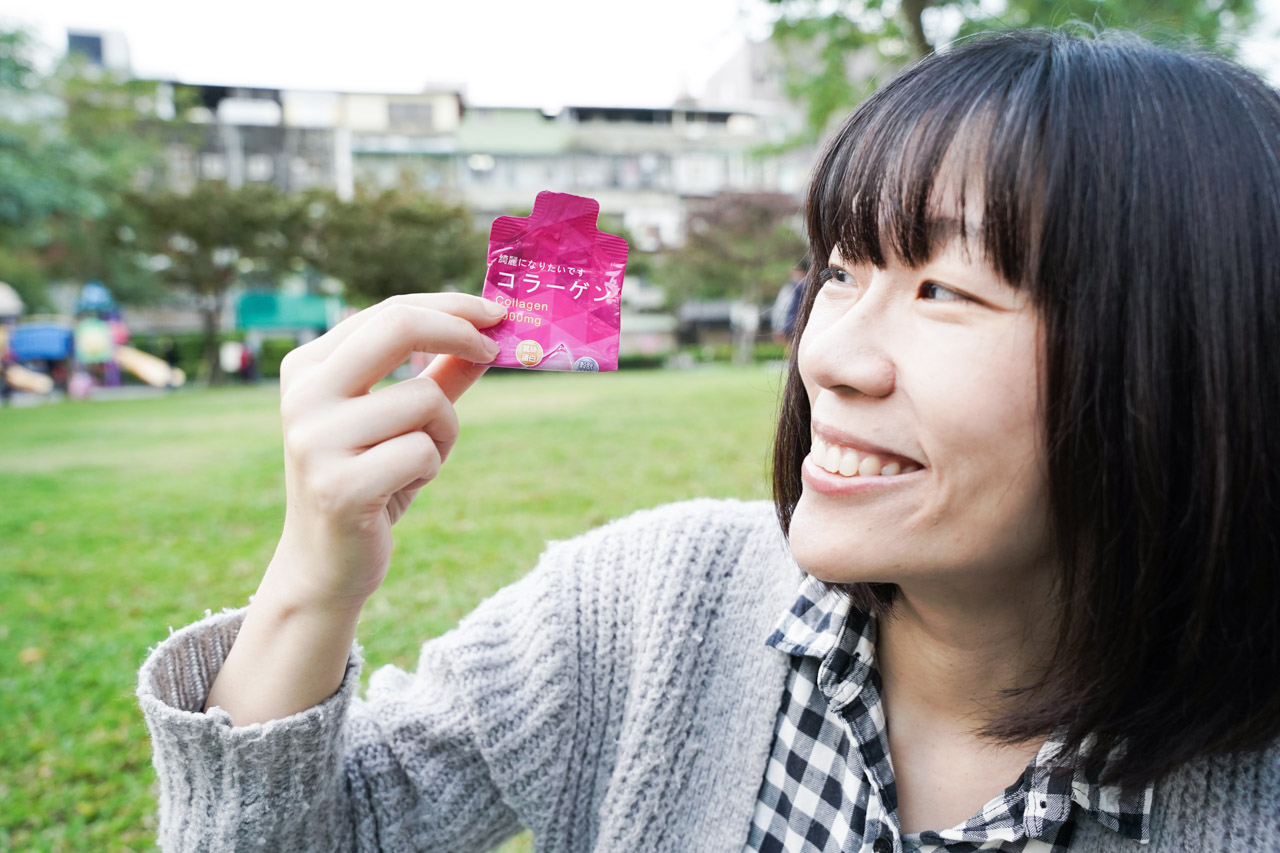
[927,459]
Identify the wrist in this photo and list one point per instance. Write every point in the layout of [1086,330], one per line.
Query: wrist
[301,580]
[290,654]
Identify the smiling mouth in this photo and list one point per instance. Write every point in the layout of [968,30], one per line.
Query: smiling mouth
[848,462]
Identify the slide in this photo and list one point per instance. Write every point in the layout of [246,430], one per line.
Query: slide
[149,368]
[28,380]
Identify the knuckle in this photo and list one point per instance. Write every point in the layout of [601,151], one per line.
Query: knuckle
[428,457]
[465,333]
[461,326]
[418,446]
[449,426]
[457,302]
[292,407]
[437,407]
[324,484]
[299,439]
[326,491]
[429,393]
[293,365]
[289,363]
[397,318]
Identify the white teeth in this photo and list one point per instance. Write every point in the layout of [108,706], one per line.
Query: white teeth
[825,456]
[848,462]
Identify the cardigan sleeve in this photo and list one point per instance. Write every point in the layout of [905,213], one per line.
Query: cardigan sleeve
[438,759]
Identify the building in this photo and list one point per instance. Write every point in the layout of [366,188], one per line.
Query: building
[102,48]
[303,139]
[645,166]
[642,164]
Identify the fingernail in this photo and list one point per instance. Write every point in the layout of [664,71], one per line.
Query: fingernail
[494,347]
[495,309]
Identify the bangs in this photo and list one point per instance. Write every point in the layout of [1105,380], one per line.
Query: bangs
[931,157]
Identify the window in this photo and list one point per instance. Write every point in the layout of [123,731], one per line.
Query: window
[259,167]
[87,45]
[213,167]
[409,115]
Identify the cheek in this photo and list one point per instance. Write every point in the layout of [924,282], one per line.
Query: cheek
[992,461]
[982,391]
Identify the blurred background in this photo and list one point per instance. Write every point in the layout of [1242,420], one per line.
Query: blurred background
[187,192]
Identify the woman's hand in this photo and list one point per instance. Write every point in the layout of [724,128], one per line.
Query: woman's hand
[355,459]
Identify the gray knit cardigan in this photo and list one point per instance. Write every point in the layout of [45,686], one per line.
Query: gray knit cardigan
[618,698]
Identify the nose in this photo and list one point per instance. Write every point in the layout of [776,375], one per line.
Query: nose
[844,348]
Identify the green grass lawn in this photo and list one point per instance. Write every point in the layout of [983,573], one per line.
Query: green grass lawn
[121,519]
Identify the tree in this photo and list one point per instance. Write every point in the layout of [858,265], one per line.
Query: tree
[207,240]
[112,122]
[377,245]
[73,143]
[640,264]
[838,51]
[738,246]
[395,241]
[37,177]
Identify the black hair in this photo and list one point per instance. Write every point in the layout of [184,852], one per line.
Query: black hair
[1134,192]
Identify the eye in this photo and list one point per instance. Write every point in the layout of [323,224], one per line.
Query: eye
[934,292]
[834,274]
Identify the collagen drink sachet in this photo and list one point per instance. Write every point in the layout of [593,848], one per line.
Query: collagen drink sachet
[560,278]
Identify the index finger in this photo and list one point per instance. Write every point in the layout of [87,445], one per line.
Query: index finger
[379,346]
[481,312]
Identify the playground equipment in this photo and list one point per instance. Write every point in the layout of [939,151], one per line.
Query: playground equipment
[28,380]
[48,341]
[149,368]
[10,301]
[42,340]
[56,340]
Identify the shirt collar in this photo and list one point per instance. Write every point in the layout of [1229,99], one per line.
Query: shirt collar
[815,627]
[813,624]
[1125,812]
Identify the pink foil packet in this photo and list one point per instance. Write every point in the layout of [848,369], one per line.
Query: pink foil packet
[560,278]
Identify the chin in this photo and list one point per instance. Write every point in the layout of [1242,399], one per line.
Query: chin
[830,549]
[829,567]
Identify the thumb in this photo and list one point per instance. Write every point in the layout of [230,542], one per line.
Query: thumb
[454,375]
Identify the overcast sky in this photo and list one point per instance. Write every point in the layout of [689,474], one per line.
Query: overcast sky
[511,52]
[517,52]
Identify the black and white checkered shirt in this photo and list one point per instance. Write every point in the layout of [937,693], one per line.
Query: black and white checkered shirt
[829,785]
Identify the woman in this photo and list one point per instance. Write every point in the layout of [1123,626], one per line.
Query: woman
[1025,461]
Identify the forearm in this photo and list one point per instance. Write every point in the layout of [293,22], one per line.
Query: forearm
[289,655]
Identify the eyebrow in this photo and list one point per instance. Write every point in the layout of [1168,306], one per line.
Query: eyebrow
[944,229]
[948,227]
